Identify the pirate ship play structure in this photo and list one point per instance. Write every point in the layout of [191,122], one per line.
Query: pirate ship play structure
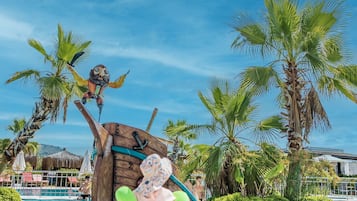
[120,150]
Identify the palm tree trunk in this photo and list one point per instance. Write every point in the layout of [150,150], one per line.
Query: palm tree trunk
[293,181]
[175,150]
[294,105]
[39,115]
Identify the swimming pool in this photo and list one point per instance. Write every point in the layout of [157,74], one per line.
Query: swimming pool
[48,194]
[50,200]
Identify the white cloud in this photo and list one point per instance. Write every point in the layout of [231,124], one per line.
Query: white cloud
[12,29]
[183,62]
[127,104]
[64,136]
[74,123]
[11,116]
[169,106]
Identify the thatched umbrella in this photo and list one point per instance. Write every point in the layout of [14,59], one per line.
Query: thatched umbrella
[62,159]
[86,167]
[19,164]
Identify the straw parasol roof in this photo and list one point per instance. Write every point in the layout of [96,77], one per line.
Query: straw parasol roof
[62,159]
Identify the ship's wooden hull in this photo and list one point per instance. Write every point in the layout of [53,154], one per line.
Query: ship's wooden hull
[120,151]
[126,168]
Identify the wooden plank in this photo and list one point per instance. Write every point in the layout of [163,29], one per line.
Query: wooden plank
[124,173]
[124,137]
[98,131]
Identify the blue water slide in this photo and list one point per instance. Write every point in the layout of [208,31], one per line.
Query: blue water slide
[141,156]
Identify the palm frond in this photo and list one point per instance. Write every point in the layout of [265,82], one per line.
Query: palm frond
[196,158]
[320,43]
[251,33]
[348,74]
[269,129]
[318,18]
[26,74]
[52,87]
[239,108]
[315,114]
[215,163]
[283,20]
[180,129]
[329,86]
[17,125]
[210,107]
[259,79]
[38,46]
[251,38]
[331,48]
[67,46]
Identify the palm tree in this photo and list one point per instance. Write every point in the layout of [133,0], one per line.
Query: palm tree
[223,162]
[264,169]
[55,88]
[18,125]
[307,46]
[179,134]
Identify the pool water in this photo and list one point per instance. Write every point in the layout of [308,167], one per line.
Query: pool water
[46,200]
[50,200]
[48,194]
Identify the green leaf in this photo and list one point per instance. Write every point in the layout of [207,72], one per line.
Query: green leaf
[239,176]
[26,74]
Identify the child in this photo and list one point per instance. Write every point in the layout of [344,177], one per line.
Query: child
[85,189]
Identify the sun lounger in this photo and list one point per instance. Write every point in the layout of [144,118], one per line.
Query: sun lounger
[37,178]
[73,181]
[27,179]
[5,180]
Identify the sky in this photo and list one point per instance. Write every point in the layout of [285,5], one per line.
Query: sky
[173,49]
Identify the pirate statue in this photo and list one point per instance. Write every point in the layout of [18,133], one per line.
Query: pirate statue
[99,79]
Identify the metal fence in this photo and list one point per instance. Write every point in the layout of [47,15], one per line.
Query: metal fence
[59,183]
[39,184]
[41,178]
[323,186]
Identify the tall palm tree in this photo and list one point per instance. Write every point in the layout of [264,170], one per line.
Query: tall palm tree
[55,88]
[179,134]
[306,47]
[231,113]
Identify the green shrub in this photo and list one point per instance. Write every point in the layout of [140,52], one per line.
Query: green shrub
[316,198]
[9,194]
[239,197]
[275,198]
[230,197]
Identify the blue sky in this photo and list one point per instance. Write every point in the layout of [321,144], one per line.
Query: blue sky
[173,49]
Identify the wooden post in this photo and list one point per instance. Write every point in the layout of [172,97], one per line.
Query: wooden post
[151,120]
